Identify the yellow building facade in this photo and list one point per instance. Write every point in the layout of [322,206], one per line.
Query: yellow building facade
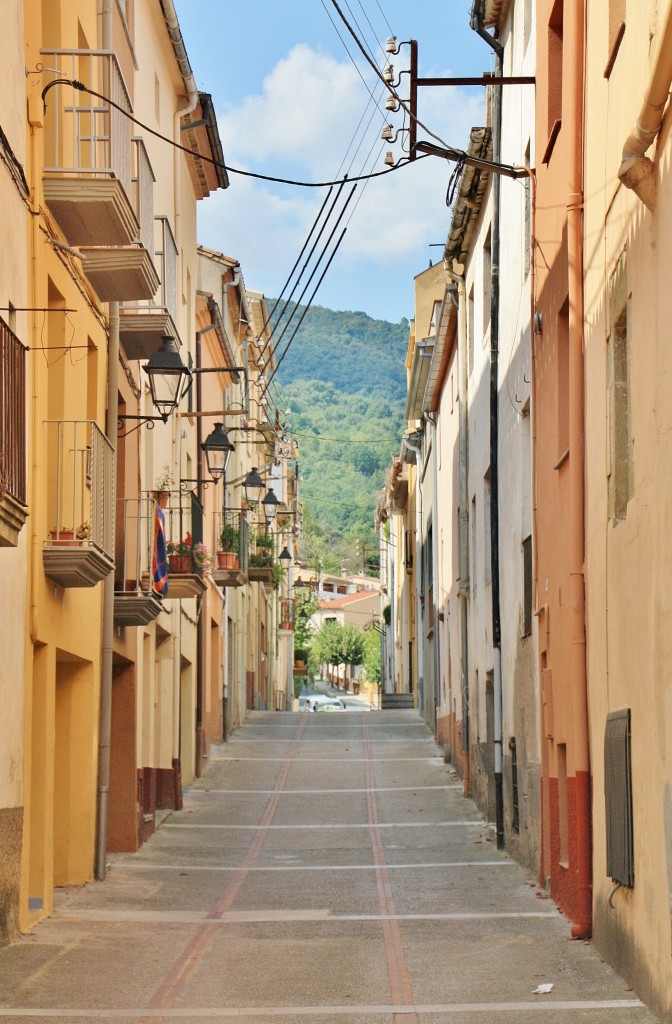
[111,265]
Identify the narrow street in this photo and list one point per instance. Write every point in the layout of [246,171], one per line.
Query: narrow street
[325,868]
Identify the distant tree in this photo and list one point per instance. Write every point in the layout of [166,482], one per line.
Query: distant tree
[365,460]
[372,655]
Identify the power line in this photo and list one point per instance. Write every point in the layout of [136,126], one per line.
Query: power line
[310,301]
[75,84]
[347,440]
[305,266]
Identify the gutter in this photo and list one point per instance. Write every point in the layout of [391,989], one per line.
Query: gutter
[175,33]
[637,171]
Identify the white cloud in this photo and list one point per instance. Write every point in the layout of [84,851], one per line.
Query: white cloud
[300,127]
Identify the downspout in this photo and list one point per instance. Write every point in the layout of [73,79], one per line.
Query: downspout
[111,429]
[638,171]
[575,14]
[493,42]
[463,512]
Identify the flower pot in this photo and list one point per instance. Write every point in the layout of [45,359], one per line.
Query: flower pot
[161,498]
[179,563]
[227,560]
[63,537]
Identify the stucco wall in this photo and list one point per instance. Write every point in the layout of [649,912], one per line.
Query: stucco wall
[629,561]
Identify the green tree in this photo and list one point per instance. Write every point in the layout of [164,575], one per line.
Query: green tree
[372,655]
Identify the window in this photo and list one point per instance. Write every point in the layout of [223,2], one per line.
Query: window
[621,469]
[527,586]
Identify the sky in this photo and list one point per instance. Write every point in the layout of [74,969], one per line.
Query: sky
[291,102]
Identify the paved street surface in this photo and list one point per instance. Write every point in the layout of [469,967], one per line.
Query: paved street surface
[326,869]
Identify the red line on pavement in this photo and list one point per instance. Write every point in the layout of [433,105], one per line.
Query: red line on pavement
[183,968]
[397,966]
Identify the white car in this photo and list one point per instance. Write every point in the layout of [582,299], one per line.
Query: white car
[331,705]
[319,701]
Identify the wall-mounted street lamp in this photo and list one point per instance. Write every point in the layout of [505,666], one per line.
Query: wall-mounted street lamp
[217,448]
[169,378]
[285,558]
[270,505]
[253,485]
[169,382]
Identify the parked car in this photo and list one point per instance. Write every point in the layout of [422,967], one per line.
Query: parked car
[317,701]
[333,704]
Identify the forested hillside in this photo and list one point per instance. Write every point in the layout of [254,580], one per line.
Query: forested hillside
[344,380]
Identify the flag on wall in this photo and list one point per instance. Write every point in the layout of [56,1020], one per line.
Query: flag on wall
[159,555]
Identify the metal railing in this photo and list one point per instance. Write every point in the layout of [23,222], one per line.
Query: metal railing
[143,194]
[12,415]
[164,253]
[287,618]
[134,544]
[232,534]
[183,517]
[80,484]
[84,134]
[261,550]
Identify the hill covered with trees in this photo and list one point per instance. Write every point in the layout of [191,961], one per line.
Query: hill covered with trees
[344,380]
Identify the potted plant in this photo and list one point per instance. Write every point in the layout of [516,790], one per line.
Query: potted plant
[227,556]
[203,560]
[62,535]
[162,485]
[179,555]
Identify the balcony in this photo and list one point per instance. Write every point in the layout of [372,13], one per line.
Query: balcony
[287,615]
[13,510]
[232,557]
[142,324]
[188,569]
[136,603]
[261,559]
[94,178]
[79,551]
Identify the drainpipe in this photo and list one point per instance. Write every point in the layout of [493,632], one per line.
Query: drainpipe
[493,42]
[574,14]
[463,524]
[105,712]
[638,171]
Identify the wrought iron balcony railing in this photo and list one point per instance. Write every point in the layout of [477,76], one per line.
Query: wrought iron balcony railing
[79,549]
